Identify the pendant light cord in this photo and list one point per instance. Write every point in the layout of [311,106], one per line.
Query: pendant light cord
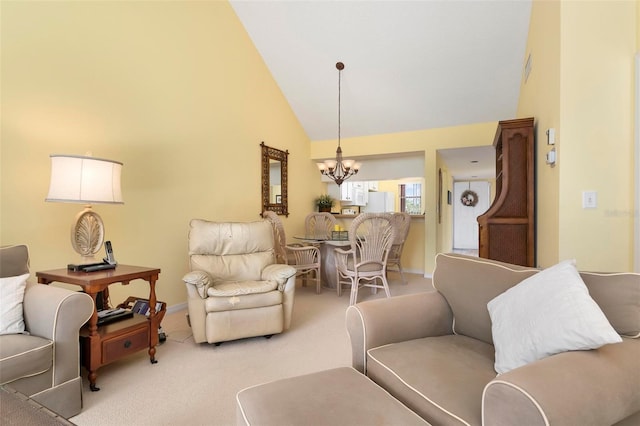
[339,102]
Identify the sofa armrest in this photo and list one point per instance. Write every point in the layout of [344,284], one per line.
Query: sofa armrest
[594,387]
[57,314]
[382,321]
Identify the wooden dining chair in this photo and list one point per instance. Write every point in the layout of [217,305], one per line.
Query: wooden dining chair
[364,264]
[305,259]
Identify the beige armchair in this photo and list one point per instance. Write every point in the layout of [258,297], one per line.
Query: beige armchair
[45,363]
[236,289]
[435,351]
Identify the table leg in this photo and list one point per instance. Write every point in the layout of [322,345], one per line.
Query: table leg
[94,340]
[92,381]
[153,332]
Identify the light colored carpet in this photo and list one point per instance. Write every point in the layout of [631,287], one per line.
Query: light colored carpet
[196,384]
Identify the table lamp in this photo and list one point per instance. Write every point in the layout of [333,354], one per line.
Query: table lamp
[86,180]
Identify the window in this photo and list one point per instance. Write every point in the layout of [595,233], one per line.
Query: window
[411,198]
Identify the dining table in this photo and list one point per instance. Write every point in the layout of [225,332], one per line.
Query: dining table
[328,272]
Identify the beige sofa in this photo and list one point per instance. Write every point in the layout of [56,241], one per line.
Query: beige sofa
[44,363]
[235,288]
[434,352]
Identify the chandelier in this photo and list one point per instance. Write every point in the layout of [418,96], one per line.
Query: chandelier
[339,170]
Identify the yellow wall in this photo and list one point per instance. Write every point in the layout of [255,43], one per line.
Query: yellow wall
[540,98]
[581,84]
[427,141]
[598,48]
[174,90]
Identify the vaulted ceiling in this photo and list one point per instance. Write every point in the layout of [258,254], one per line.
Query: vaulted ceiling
[409,65]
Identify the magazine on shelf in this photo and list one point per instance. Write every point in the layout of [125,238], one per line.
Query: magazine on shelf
[142,307]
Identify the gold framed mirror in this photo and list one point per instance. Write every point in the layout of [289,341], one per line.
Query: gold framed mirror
[274,180]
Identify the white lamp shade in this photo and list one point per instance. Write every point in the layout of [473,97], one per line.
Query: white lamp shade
[88,180]
[347,164]
[331,164]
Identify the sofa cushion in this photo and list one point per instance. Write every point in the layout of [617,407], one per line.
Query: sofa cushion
[11,299]
[14,260]
[468,284]
[440,378]
[547,313]
[618,295]
[22,355]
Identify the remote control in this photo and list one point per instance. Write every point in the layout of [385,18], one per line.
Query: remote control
[81,267]
[110,312]
[100,267]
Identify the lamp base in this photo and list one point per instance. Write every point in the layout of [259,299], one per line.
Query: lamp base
[87,234]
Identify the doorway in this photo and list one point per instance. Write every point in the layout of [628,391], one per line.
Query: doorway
[466,211]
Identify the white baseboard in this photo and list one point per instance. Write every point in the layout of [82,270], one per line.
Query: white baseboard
[175,308]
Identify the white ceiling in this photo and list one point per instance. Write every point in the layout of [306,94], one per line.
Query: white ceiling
[409,65]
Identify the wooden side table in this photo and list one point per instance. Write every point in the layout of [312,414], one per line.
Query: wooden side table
[109,342]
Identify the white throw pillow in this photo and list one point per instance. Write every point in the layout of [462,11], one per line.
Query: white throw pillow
[545,314]
[11,298]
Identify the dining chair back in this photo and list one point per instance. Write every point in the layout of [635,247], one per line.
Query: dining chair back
[305,259]
[401,223]
[364,264]
[319,225]
[278,236]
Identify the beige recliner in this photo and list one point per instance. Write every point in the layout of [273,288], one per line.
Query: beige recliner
[44,362]
[235,288]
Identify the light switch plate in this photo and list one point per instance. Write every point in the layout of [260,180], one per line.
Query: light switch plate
[589,199]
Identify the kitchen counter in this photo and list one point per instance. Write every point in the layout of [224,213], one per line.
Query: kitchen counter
[352,216]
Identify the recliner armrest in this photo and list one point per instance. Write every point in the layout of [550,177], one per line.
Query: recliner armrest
[200,282]
[594,387]
[279,273]
[380,322]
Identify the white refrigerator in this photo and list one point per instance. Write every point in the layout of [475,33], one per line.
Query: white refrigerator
[380,202]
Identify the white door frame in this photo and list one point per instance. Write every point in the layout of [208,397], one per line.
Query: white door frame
[636,212]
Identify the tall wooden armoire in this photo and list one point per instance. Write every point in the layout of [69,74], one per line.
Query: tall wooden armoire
[507,228]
